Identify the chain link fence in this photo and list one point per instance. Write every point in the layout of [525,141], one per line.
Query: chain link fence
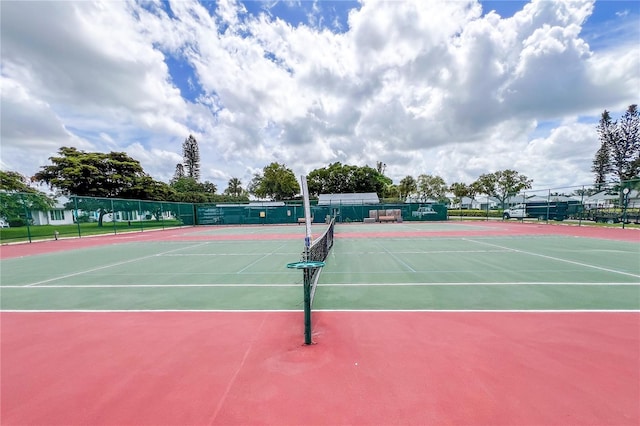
[22,217]
[612,203]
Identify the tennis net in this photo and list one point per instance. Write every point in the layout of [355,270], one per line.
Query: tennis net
[318,251]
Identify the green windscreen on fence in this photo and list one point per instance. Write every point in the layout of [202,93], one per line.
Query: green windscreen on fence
[268,213]
[25,217]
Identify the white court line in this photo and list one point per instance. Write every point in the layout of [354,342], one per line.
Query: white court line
[397,258]
[119,311]
[477,284]
[242,311]
[397,284]
[558,259]
[360,253]
[524,311]
[147,286]
[227,254]
[124,262]
[259,259]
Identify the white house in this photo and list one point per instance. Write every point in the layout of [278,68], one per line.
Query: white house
[607,199]
[58,215]
[478,203]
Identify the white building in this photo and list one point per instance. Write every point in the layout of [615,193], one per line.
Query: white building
[58,215]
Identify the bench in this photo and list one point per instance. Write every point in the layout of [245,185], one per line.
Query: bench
[303,220]
[387,218]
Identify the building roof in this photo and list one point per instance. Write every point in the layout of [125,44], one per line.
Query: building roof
[254,204]
[353,198]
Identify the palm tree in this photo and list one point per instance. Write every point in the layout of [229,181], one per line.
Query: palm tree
[234,187]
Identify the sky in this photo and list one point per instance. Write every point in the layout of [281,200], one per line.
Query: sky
[454,88]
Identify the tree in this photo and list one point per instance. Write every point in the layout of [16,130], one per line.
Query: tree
[408,186]
[502,184]
[367,179]
[341,179]
[17,198]
[179,173]
[276,182]
[191,157]
[234,188]
[459,190]
[146,188]
[431,188]
[619,152]
[391,191]
[625,147]
[92,174]
[335,179]
[602,162]
[601,166]
[189,190]
[14,182]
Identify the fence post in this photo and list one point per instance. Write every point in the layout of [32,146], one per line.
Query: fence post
[549,205]
[26,216]
[581,207]
[113,218]
[487,208]
[75,205]
[140,216]
[625,200]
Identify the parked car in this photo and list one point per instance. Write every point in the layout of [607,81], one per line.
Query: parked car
[424,211]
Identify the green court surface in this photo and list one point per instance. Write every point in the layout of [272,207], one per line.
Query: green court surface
[399,272]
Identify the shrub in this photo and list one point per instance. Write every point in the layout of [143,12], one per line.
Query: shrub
[474,213]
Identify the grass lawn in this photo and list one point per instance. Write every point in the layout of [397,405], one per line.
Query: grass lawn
[46,232]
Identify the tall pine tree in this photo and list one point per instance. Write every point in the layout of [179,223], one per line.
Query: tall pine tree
[626,150]
[602,162]
[179,173]
[191,157]
[619,153]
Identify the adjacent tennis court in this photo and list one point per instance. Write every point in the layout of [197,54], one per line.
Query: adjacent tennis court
[413,323]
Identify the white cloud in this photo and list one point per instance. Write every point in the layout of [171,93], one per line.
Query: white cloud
[426,87]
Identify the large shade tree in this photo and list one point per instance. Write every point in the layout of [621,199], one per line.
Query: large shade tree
[17,198]
[189,190]
[408,186]
[431,188]
[95,174]
[341,178]
[502,184]
[276,182]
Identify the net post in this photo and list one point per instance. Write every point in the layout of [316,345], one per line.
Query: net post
[307,305]
[308,274]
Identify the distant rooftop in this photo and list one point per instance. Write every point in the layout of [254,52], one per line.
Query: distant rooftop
[353,198]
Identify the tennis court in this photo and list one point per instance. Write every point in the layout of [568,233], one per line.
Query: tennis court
[413,323]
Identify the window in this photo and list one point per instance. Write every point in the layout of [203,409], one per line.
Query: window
[57,214]
[130,215]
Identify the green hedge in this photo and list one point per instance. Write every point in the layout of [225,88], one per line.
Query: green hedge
[474,213]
